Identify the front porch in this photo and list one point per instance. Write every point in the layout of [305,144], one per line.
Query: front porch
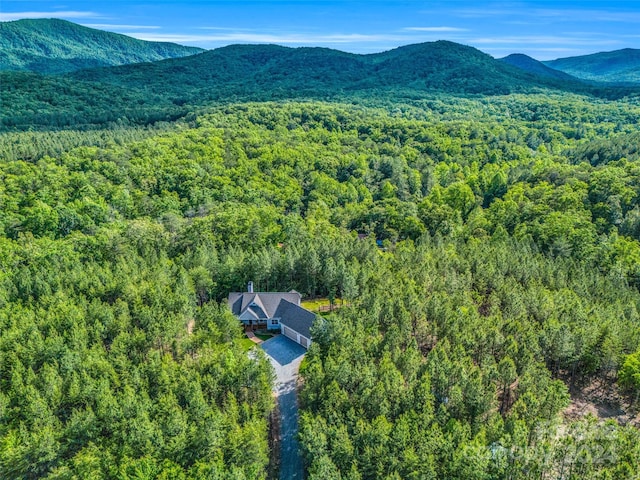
[261,324]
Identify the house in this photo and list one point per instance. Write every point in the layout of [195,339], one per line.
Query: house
[273,311]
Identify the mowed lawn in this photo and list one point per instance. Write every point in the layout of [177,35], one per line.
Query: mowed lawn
[316,304]
[246,343]
[313,305]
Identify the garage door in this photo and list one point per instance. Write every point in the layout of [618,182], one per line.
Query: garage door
[292,334]
[304,341]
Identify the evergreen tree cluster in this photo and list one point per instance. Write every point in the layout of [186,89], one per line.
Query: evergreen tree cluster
[497,267]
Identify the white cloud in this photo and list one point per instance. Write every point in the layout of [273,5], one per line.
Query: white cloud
[227,29]
[561,14]
[508,50]
[436,29]
[541,40]
[247,37]
[482,12]
[8,17]
[120,27]
[210,36]
[584,14]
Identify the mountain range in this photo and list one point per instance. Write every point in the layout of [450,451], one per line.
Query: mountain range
[57,46]
[619,66]
[249,70]
[142,91]
[51,46]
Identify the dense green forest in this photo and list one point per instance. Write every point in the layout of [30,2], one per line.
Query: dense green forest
[507,280]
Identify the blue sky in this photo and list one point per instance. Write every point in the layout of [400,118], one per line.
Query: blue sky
[542,29]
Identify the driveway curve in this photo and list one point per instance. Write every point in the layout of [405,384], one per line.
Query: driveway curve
[285,356]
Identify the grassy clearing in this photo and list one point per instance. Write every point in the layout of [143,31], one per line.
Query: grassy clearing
[320,305]
[313,305]
[246,344]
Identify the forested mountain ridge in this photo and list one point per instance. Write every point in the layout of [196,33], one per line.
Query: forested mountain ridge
[509,274]
[618,66]
[57,46]
[532,65]
[145,93]
[279,71]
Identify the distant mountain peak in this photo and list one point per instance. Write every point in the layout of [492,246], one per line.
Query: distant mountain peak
[53,45]
[531,65]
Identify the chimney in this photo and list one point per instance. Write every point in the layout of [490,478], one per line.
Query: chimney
[250,287]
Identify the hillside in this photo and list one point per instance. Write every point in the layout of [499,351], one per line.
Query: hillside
[619,66]
[144,93]
[57,46]
[531,65]
[454,67]
[276,71]
[37,101]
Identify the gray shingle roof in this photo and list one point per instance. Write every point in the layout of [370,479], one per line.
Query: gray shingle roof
[266,301]
[295,317]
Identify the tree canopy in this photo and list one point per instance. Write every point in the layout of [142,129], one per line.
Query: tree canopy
[497,268]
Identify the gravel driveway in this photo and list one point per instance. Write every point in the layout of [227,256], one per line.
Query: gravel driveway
[285,356]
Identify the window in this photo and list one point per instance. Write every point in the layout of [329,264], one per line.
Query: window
[274,321]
